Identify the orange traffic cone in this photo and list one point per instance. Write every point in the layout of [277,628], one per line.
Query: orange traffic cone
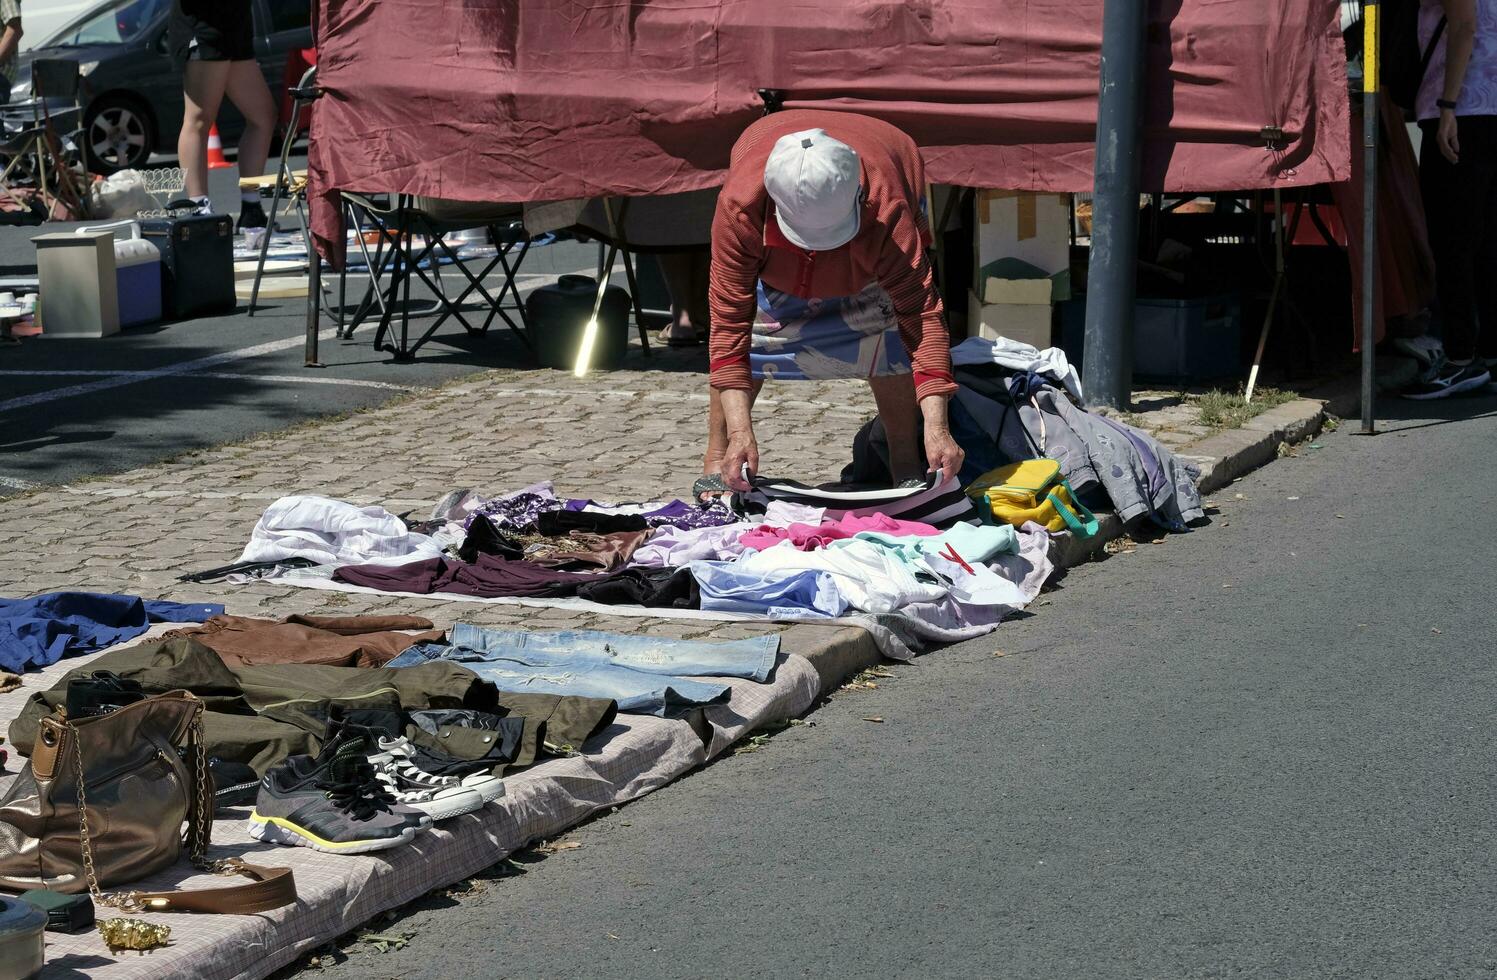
[216,159]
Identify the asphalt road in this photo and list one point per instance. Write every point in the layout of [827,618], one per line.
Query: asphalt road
[68,410]
[1263,749]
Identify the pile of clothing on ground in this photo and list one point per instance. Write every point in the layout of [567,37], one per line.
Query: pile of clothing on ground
[350,734]
[915,564]
[782,552]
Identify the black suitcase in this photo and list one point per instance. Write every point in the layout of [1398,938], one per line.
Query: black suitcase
[197,263]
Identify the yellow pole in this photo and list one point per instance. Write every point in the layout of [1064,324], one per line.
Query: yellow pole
[1370,113]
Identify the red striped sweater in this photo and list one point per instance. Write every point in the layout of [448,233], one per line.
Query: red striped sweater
[889,248]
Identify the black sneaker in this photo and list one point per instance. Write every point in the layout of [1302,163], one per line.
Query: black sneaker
[1452,379]
[334,803]
[251,215]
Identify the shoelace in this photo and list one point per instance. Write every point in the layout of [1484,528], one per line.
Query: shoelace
[354,788]
[399,782]
[402,763]
[352,782]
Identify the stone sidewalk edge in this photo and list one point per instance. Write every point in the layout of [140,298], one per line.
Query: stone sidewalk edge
[841,652]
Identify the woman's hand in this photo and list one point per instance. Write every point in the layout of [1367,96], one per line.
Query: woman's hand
[1448,136]
[742,450]
[941,451]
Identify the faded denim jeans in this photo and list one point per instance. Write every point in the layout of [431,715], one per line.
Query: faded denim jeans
[751,658]
[601,665]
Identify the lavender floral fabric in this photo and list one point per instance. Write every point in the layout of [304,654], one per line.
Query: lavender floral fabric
[522,508]
[686,516]
[519,509]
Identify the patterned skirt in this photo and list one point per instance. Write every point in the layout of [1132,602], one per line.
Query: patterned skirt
[812,339]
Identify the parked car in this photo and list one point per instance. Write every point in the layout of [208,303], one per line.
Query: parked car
[131,91]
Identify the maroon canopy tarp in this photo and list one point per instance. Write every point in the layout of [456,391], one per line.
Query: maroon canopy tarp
[532,100]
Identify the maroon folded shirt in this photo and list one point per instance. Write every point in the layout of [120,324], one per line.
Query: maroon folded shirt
[487,578]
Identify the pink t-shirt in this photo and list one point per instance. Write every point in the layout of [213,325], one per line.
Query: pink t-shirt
[1479,90]
[808,537]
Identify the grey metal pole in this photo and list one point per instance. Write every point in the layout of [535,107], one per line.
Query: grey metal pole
[1370,96]
[1108,359]
[314,304]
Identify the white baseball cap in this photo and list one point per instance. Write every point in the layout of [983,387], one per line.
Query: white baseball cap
[817,188]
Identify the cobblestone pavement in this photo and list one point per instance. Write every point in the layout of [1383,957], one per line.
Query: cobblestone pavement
[630,434]
[633,434]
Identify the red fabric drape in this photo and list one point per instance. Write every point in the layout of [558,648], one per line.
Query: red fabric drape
[528,100]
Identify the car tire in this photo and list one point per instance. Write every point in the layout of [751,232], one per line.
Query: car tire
[118,134]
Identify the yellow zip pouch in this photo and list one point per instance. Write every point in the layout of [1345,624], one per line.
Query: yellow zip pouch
[1033,490]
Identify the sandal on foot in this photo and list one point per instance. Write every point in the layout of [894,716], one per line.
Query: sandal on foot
[710,484]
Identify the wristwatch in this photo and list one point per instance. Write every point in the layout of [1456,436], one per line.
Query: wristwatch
[1445,104]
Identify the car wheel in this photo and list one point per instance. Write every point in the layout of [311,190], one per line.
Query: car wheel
[117,135]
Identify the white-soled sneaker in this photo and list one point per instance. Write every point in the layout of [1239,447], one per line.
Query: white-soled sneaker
[1452,379]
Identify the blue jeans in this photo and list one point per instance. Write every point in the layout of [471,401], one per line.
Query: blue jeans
[751,658]
[626,669]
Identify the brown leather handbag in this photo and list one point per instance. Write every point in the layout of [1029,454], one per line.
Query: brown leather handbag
[102,803]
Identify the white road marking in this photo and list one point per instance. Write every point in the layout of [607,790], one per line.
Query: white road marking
[221,375]
[16,483]
[185,367]
[107,380]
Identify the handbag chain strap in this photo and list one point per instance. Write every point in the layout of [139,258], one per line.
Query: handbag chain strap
[199,820]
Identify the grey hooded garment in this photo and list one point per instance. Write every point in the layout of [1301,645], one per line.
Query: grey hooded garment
[1139,475]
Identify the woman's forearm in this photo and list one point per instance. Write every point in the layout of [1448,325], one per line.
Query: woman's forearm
[737,406]
[10,40]
[1460,36]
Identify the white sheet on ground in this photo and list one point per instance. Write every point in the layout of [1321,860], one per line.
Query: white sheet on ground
[337,893]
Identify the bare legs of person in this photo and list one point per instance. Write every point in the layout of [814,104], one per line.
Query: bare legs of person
[204,85]
[897,408]
[251,96]
[685,275]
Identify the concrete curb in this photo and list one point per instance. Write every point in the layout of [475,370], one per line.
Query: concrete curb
[838,653]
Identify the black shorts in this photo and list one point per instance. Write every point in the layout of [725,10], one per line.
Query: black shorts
[211,30]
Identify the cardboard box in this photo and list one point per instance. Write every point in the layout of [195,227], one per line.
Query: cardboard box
[1032,228]
[77,284]
[1028,291]
[1026,322]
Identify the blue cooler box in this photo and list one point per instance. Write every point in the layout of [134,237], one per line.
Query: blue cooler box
[137,272]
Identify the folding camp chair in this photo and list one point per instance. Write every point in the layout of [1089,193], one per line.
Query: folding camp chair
[287,185]
[410,240]
[37,153]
